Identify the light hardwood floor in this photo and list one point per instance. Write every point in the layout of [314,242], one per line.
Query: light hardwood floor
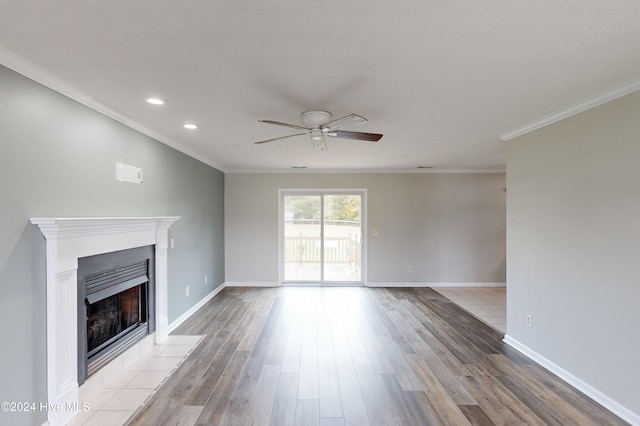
[356,356]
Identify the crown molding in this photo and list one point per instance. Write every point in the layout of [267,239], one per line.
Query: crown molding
[39,75]
[366,171]
[574,109]
[47,79]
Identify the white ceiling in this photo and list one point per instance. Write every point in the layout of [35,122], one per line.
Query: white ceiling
[442,80]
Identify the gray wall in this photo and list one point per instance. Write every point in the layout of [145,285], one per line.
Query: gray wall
[573,239]
[57,158]
[450,227]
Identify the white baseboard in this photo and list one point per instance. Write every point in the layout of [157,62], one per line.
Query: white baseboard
[182,318]
[456,284]
[373,284]
[582,386]
[253,284]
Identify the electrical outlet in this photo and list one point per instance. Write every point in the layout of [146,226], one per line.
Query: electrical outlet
[529,321]
[172,244]
[205,279]
[187,291]
[410,268]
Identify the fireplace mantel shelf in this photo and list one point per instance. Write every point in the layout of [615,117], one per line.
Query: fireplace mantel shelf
[61,227]
[68,239]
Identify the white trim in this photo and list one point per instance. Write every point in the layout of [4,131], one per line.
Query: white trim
[182,318]
[322,284]
[39,75]
[584,105]
[280,236]
[68,239]
[367,171]
[576,382]
[439,284]
[252,284]
[364,237]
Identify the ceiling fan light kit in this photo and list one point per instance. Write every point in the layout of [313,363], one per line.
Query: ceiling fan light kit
[318,140]
[318,127]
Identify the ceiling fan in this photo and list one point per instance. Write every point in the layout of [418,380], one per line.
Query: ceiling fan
[318,126]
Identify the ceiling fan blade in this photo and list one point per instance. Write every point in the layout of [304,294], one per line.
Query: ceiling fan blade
[278,123]
[281,137]
[370,137]
[347,120]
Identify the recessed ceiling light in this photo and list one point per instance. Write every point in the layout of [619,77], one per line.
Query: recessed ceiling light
[155,101]
[190,126]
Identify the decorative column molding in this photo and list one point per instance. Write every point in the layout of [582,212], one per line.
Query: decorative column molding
[162,313]
[67,240]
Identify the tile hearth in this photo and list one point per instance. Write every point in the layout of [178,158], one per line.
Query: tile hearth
[485,303]
[116,392]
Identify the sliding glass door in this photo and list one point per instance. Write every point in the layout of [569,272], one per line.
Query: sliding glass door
[322,236]
[302,238]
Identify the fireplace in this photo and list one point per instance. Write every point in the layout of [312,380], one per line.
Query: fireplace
[116,293]
[70,239]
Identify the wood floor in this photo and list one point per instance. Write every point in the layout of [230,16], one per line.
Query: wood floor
[356,356]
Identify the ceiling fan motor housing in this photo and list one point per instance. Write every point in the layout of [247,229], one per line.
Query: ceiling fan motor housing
[315,119]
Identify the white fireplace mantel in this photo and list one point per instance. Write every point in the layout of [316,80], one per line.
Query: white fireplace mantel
[68,239]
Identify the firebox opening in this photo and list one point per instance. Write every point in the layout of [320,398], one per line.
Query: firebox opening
[115,305]
[112,316]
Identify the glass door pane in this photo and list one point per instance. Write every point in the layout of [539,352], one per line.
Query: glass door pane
[342,231]
[302,233]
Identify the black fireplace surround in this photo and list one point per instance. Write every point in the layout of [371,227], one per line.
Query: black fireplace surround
[116,305]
